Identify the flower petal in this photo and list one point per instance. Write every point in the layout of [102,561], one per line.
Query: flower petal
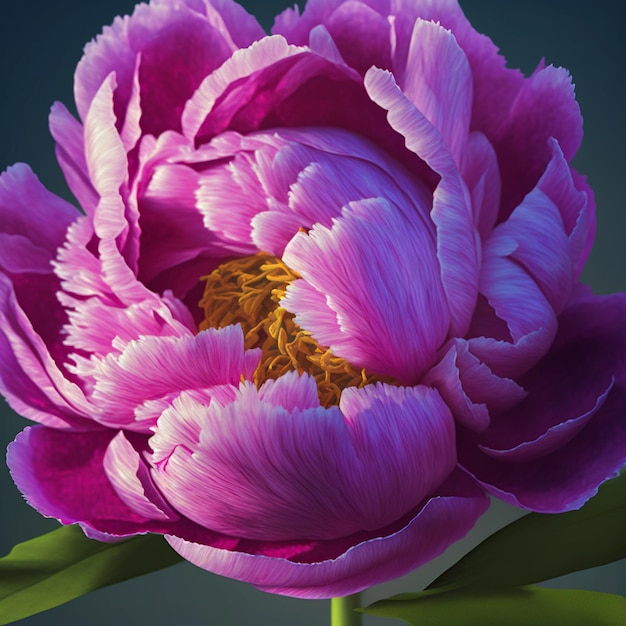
[361,266]
[457,239]
[545,107]
[518,301]
[179,42]
[68,134]
[471,390]
[363,561]
[132,482]
[572,422]
[438,81]
[263,472]
[153,367]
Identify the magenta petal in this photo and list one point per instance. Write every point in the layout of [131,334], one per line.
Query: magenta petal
[131,480]
[544,108]
[547,232]
[68,134]
[471,390]
[179,42]
[29,210]
[255,469]
[518,301]
[482,175]
[438,81]
[444,519]
[457,238]
[362,35]
[361,267]
[242,63]
[61,475]
[30,379]
[569,435]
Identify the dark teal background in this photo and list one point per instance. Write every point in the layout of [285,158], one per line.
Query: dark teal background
[40,44]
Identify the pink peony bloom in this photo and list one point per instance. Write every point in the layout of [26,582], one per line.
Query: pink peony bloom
[324,295]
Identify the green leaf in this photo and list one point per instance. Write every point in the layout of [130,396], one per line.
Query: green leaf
[539,547]
[55,568]
[516,606]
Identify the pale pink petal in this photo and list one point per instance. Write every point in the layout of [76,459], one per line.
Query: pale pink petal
[152,367]
[362,266]
[106,162]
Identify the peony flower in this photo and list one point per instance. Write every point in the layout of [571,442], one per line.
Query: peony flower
[324,295]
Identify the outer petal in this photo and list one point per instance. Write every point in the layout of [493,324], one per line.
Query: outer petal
[361,268]
[61,475]
[545,107]
[131,480]
[548,231]
[482,175]
[30,211]
[515,299]
[471,390]
[180,43]
[258,470]
[30,379]
[445,518]
[68,134]
[495,86]
[569,435]
[32,372]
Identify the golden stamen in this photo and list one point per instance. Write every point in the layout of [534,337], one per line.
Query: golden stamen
[248,291]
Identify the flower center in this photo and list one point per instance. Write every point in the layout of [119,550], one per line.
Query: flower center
[248,291]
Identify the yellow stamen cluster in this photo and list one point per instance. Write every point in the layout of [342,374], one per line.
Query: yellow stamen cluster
[248,291]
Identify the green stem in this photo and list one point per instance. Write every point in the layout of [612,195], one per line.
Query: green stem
[342,613]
